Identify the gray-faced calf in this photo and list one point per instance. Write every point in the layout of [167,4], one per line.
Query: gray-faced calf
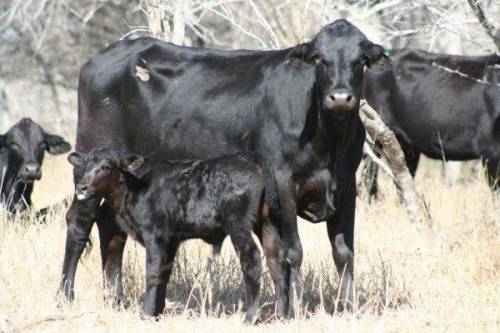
[163,204]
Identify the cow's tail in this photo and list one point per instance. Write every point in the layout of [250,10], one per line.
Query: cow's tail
[271,193]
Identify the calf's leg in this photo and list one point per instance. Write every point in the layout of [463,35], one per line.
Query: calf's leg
[159,264]
[249,255]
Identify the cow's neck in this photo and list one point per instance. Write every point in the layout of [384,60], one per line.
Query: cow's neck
[337,132]
[13,191]
[116,197]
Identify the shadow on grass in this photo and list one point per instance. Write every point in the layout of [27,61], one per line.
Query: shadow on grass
[215,288]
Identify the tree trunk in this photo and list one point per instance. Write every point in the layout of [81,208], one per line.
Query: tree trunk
[414,203]
[179,23]
[159,25]
[157,21]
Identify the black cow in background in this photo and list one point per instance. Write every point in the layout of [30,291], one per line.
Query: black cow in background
[24,145]
[440,104]
[297,107]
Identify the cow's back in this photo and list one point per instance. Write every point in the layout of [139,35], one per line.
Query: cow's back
[433,109]
[143,95]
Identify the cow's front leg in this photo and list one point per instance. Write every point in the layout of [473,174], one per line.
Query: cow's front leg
[292,243]
[112,243]
[341,234]
[159,264]
[79,218]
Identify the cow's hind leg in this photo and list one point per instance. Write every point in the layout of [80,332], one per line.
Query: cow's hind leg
[492,172]
[275,252]
[412,156]
[291,239]
[112,243]
[79,218]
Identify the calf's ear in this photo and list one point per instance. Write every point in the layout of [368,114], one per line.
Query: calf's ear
[56,145]
[376,57]
[76,159]
[305,52]
[131,162]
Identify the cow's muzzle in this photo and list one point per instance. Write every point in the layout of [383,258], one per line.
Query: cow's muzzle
[30,172]
[82,192]
[340,100]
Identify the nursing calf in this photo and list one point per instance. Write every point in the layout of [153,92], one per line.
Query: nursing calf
[163,204]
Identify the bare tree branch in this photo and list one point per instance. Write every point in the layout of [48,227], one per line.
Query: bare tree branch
[487,25]
[414,204]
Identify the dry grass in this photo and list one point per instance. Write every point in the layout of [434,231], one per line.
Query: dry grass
[410,281]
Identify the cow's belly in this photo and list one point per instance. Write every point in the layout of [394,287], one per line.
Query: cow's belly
[455,144]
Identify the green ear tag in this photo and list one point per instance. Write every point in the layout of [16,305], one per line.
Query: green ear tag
[386,53]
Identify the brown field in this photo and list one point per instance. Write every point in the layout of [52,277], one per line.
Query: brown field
[446,280]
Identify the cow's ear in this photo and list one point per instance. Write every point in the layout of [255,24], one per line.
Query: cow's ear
[56,145]
[3,143]
[76,159]
[305,52]
[376,57]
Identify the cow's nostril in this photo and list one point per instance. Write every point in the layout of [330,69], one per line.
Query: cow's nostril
[82,188]
[32,168]
[349,98]
[332,97]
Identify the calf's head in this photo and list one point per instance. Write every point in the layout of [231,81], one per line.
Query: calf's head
[25,144]
[340,52]
[104,169]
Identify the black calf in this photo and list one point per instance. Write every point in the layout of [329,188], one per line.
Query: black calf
[164,204]
[25,144]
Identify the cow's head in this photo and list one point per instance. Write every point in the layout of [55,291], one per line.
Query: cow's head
[103,169]
[340,52]
[25,144]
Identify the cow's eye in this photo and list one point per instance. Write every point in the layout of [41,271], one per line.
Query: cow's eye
[317,59]
[364,60]
[106,167]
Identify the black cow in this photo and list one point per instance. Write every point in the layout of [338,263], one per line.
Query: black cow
[298,107]
[25,144]
[162,204]
[440,104]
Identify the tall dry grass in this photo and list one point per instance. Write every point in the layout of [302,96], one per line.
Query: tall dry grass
[409,281]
